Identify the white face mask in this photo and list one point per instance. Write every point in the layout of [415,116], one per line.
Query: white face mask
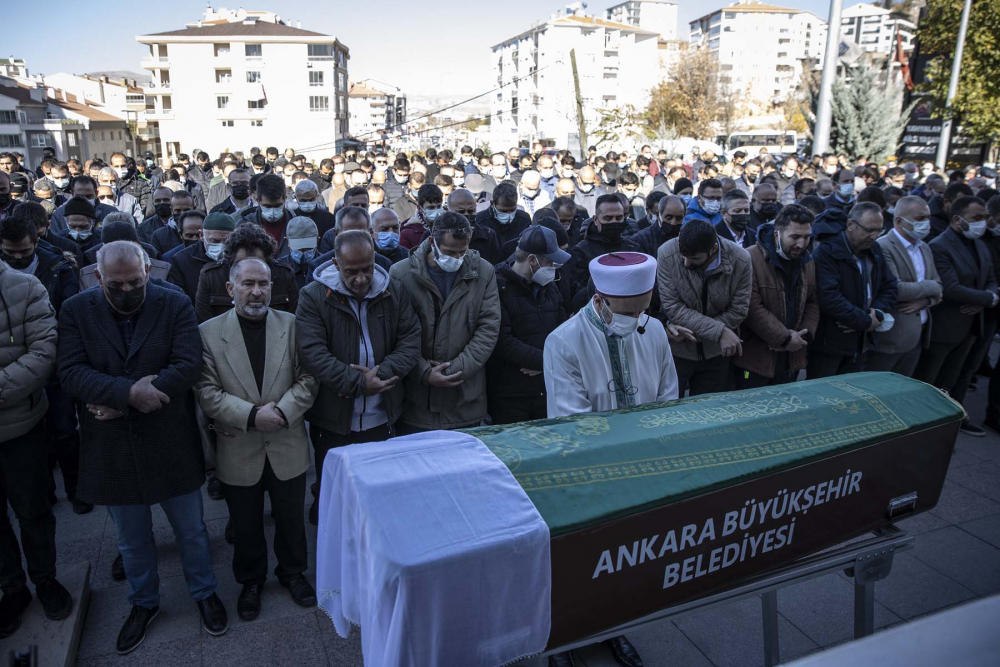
[215,250]
[121,171]
[544,275]
[921,228]
[620,325]
[307,206]
[433,214]
[446,263]
[975,230]
[994,230]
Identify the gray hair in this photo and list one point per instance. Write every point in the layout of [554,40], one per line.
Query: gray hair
[388,210]
[121,251]
[451,223]
[119,216]
[352,211]
[355,237]
[44,185]
[108,171]
[732,197]
[236,268]
[865,208]
[305,186]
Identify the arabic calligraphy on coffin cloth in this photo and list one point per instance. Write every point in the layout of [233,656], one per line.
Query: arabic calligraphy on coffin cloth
[590,468]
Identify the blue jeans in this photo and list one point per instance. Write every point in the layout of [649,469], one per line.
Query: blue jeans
[134,524]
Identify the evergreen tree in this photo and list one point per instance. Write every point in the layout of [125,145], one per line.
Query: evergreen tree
[867,120]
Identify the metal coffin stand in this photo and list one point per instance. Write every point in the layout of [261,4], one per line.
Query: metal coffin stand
[868,560]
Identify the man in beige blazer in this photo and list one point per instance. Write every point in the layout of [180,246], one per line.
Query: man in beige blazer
[254,388]
[911,261]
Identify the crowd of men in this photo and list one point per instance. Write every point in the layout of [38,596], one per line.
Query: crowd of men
[161,321]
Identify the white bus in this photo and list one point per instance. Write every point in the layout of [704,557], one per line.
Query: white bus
[751,141]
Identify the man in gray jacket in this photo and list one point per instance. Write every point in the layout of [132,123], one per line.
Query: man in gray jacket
[358,336]
[705,284]
[911,261]
[455,295]
[27,359]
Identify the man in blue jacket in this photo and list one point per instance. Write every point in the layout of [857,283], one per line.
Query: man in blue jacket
[707,205]
[856,289]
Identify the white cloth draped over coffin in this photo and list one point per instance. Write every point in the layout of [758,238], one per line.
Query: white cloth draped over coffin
[430,545]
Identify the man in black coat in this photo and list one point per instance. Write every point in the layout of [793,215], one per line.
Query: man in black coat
[764,207]
[604,235]
[80,217]
[969,281]
[309,204]
[239,199]
[503,217]
[735,223]
[484,240]
[193,188]
[131,182]
[941,208]
[530,309]
[172,235]
[159,218]
[667,226]
[856,289]
[131,352]
[186,265]
[842,198]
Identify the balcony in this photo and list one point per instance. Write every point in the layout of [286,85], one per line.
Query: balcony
[155,62]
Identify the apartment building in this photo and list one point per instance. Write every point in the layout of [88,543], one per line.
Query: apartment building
[377,109]
[660,16]
[875,29]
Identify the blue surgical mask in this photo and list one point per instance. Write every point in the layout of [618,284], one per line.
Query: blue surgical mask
[845,190]
[712,206]
[433,214]
[503,218]
[80,236]
[303,256]
[272,214]
[686,199]
[388,240]
[307,206]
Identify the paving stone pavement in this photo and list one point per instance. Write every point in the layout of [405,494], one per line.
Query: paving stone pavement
[956,559]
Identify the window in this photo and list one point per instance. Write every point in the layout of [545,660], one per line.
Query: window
[254,51]
[93,136]
[119,135]
[256,123]
[8,117]
[39,141]
[222,101]
[255,104]
[102,136]
[71,139]
[227,123]
[319,104]
[320,51]
[223,76]
[10,140]
[22,117]
[221,50]
[135,99]
[340,81]
[254,77]
[315,78]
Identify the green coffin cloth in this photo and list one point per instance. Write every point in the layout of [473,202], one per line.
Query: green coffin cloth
[587,469]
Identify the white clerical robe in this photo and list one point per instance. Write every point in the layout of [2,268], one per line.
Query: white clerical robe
[578,375]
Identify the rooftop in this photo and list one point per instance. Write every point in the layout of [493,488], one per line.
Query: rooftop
[82,109]
[20,93]
[251,29]
[361,90]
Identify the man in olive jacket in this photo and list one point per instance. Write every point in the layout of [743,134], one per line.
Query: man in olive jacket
[455,295]
[358,336]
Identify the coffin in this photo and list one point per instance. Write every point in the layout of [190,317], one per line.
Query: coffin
[657,505]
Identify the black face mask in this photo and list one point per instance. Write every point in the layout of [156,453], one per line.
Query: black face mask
[471,217]
[4,199]
[612,231]
[123,301]
[670,231]
[768,211]
[18,263]
[162,210]
[739,221]
[750,177]
[189,242]
[241,190]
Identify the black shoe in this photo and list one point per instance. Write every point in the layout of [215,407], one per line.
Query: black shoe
[81,507]
[56,600]
[134,630]
[993,425]
[214,488]
[230,531]
[11,606]
[248,605]
[968,428]
[624,653]
[303,594]
[118,568]
[213,615]
[50,496]
[562,660]
[314,513]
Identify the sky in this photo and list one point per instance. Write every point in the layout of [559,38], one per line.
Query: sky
[399,42]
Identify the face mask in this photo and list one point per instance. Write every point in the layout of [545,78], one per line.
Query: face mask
[643,173]
[921,228]
[459,180]
[845,190]
[401,179]
[121,171]
[927,172]
[529,194]
[471,217]
[307,206]
[750,177]
[830,170]
[271,214]
[711,207]
[19,263]
[781,251]
[446,263]
[612,231]
[303,256]
[975,230]
[994,230]
[586,188]
[686,199]
[890,210]
[768,211]
[126,301]
[338,169]
[215,250]
[739,221]
[503,218]
[288,181]
[466,159]
[241,191]
[162,210]
[79,235]
[788,173]
[189,242]
[114,188]
[93,201]
[620,325]
[544,275]
[373,207]
[387,240]
[60,182]
[433,214]
[547,173]
[653,219]
[4,199]
[149,163]
[499,173]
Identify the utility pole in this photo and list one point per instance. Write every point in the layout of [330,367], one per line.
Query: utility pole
[579,105]
[824,107]
[956,66]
